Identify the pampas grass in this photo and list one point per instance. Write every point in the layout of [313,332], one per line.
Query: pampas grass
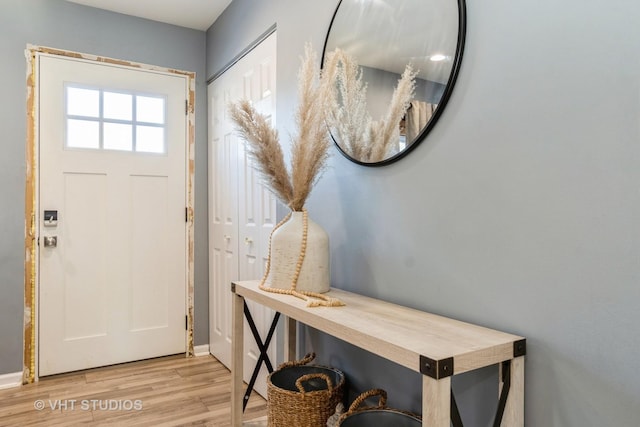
[332,99]
[310,144]
[263,149]
[347,115]
[310,148]
[358,135]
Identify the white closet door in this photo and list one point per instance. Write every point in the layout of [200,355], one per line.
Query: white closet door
[242,211]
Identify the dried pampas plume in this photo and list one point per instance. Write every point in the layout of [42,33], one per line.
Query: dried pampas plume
[347,116]
[263,148]
[310,148]
[357,134]
[310,145]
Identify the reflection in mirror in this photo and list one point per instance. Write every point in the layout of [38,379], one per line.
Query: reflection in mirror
[383,37]
[347,117]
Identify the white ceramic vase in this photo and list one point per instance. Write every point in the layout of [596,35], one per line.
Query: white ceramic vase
[286,241]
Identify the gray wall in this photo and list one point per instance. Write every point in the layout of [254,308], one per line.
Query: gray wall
[56,23]
[518,212]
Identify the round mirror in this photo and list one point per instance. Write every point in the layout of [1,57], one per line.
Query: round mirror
[385,36]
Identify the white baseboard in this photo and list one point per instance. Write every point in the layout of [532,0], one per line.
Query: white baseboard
[201,350]
[12,380]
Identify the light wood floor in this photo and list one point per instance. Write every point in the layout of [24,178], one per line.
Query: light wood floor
[172,391]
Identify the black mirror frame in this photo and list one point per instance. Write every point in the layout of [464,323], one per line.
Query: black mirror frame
[462,30]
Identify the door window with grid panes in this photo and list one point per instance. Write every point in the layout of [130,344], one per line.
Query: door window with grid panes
[98,118]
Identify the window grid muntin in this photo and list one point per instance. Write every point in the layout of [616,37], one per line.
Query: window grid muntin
[102,120]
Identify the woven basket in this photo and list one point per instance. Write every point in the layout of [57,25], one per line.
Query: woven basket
[379,416]
[303,396]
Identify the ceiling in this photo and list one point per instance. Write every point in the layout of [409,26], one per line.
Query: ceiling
[196,14]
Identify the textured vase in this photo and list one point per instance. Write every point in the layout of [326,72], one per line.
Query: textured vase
[286,243]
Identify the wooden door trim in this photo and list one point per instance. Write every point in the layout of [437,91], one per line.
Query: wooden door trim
[29,370]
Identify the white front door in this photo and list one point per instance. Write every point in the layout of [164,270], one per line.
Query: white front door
[112,192]
[242,212]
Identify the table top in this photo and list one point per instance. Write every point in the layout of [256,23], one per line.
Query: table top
[421,341]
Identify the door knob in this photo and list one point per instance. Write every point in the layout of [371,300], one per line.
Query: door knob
[50,241]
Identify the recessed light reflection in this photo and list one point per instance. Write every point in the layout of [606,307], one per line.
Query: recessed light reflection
[437,57]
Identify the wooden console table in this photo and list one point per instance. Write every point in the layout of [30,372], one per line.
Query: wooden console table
[435,346]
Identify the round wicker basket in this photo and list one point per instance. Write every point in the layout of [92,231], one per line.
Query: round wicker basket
[303,395]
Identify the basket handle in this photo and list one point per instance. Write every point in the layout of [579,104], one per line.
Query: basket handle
[367,394]
[308,358]
[307,377]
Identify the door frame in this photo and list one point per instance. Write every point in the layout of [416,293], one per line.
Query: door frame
[30,365]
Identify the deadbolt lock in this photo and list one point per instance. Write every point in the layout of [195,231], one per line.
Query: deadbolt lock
[50,218]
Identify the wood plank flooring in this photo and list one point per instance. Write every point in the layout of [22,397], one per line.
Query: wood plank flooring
[169,391]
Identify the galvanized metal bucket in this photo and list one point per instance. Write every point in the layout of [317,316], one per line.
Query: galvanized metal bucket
[286,378]
[379,416]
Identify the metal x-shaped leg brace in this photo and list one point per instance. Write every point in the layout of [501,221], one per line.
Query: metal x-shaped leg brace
[456,421]
[262,346]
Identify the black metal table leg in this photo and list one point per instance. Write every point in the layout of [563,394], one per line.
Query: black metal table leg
[262,347]
[506,386]
[456,420]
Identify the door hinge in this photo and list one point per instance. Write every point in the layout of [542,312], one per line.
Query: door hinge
[186,107]
[186,214]
[186,322]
